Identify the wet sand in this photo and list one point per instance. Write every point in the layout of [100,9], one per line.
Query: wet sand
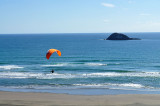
[50,99]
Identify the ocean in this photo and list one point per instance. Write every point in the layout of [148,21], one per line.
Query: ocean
[89,65]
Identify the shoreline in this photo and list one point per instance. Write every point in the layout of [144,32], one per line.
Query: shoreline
[52,99]
[84,91]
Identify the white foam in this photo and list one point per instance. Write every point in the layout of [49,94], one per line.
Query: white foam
[17,75]
[108,85]
[133,74]
[90,85]
[129,85]
[95,64]
[34,75]
[107,74]
[71,64]
[8,67]
[75,75]
[56,75]
[54,65]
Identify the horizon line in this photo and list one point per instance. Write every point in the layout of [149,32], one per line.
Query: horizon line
[75,33]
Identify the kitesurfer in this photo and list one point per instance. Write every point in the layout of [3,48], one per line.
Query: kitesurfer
[52,71]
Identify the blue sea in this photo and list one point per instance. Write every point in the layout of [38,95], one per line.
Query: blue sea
[89,65]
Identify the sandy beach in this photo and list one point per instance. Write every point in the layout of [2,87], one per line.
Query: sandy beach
[50,99]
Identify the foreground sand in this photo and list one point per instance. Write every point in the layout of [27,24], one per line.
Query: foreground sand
[49,99]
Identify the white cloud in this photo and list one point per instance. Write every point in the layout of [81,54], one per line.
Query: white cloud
[108,5]
[144,14]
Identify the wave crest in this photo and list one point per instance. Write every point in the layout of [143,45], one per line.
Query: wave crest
[132,85]
[9,67]
[75,75]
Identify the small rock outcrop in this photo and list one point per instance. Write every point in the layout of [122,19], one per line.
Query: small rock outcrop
[119,36]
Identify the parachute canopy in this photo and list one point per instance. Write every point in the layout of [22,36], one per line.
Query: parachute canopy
[51,51]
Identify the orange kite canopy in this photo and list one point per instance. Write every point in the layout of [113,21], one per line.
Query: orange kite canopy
[51,51]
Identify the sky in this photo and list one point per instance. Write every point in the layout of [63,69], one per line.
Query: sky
[79,16]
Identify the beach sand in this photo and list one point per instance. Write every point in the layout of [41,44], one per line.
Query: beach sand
[50,99]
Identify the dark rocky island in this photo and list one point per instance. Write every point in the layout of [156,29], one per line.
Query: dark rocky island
[119,36]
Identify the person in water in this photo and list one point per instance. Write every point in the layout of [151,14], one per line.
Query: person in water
[52,71]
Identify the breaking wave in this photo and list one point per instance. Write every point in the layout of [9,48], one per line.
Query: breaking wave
[123,86]
[76,75]
[95,64]
[106,85]
[74,64]
[9,67]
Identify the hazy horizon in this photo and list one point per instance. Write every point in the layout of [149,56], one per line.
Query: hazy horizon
[74,33]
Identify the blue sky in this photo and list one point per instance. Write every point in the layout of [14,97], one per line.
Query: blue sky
[79,16]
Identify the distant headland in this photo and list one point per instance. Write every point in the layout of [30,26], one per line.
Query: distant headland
[120,36]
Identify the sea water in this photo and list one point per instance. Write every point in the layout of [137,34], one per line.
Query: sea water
[88,65]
